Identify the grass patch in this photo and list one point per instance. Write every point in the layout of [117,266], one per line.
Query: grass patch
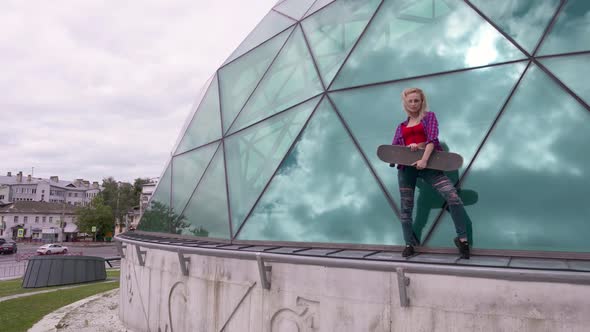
[13,287]
[114,274]
[20,314]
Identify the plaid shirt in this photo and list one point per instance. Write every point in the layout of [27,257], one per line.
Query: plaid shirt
[430,125]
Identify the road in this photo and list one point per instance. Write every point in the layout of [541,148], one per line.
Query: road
[76,248]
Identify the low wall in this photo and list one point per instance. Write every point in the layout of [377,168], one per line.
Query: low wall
[226,294]
[44,271]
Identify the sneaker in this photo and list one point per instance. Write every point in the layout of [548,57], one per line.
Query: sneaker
[463,248]
[408,251]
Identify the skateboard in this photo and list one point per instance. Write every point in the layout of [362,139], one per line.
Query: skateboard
[440,160]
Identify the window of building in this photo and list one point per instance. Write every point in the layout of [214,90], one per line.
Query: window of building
[25,219]
[1,196]
[50,219]
[44,218]
[37,219]
[75,194]
[34,190]
[15,219]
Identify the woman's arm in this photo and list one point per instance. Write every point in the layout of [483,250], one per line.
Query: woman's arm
[422,163]
[397,138]
[431,128]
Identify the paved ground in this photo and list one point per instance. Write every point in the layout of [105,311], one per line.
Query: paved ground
[97,313]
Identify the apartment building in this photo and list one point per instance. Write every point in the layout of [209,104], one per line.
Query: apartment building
[4,193]
[16,188]
[39,221]
[146,193]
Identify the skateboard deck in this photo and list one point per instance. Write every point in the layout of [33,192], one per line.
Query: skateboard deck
[440,160]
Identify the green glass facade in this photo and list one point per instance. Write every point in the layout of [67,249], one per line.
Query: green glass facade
[282,146]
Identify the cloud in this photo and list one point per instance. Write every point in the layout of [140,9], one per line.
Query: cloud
[93,90]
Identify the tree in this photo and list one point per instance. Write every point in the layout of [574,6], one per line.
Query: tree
[161,218]
[121,196]
[96,214]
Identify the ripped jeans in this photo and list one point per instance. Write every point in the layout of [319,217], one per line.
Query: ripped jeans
[438,180]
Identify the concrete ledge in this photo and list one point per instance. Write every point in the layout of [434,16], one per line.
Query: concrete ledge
[222,290]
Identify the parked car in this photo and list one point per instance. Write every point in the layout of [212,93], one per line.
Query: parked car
[52,248]
[8,248]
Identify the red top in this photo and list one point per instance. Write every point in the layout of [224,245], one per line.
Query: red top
[414,134]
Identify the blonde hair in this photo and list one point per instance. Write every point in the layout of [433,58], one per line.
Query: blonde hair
[423,110]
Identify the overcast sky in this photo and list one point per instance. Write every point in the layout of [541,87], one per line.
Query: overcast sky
[91,89]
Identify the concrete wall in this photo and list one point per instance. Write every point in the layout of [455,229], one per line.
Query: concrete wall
[157,297]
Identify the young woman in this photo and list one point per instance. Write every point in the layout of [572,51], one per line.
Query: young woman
[420,131]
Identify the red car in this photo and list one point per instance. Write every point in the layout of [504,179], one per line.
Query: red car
[8,248]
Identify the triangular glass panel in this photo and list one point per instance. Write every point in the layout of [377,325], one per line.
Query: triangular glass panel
[373,114]
[394,47]
[523,20]
[206,213]
[332,33]
[570,32]
[254,154]
[533,189]
[158,214]
[193,109]
[294,8]
[573,71]
[290,79]
[239,78]
[163,189]
[271,24]
[318,5]
[323,192]
[187,170]
[205,126]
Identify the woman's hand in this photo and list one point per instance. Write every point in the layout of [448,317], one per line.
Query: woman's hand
[420,164]
[413,147]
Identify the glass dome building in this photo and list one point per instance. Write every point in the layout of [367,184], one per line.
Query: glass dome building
[282,145]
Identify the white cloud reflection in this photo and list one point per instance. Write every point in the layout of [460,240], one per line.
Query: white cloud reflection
[324,193]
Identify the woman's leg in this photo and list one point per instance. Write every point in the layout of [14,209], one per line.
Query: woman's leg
[407,183]
[445,187]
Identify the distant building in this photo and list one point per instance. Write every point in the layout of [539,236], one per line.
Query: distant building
[4,193]
[146,192]
[39,221]
[16,188]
